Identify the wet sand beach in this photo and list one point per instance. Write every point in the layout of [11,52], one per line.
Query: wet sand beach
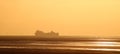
[60,47]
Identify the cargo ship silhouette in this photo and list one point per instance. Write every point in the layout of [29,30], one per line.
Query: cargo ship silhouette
[43,34]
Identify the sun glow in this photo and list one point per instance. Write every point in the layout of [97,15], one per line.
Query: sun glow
[106,49]
[106,43]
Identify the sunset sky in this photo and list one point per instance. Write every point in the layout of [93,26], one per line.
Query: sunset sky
[68,17]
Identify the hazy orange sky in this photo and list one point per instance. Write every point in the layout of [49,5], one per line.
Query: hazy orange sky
[68,17]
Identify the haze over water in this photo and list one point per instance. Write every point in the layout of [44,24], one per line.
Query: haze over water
[68,17]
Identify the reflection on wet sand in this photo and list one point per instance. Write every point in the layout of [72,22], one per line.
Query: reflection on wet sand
[106,46]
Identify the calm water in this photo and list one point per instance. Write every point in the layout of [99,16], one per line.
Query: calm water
[75,45]
[63,45]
